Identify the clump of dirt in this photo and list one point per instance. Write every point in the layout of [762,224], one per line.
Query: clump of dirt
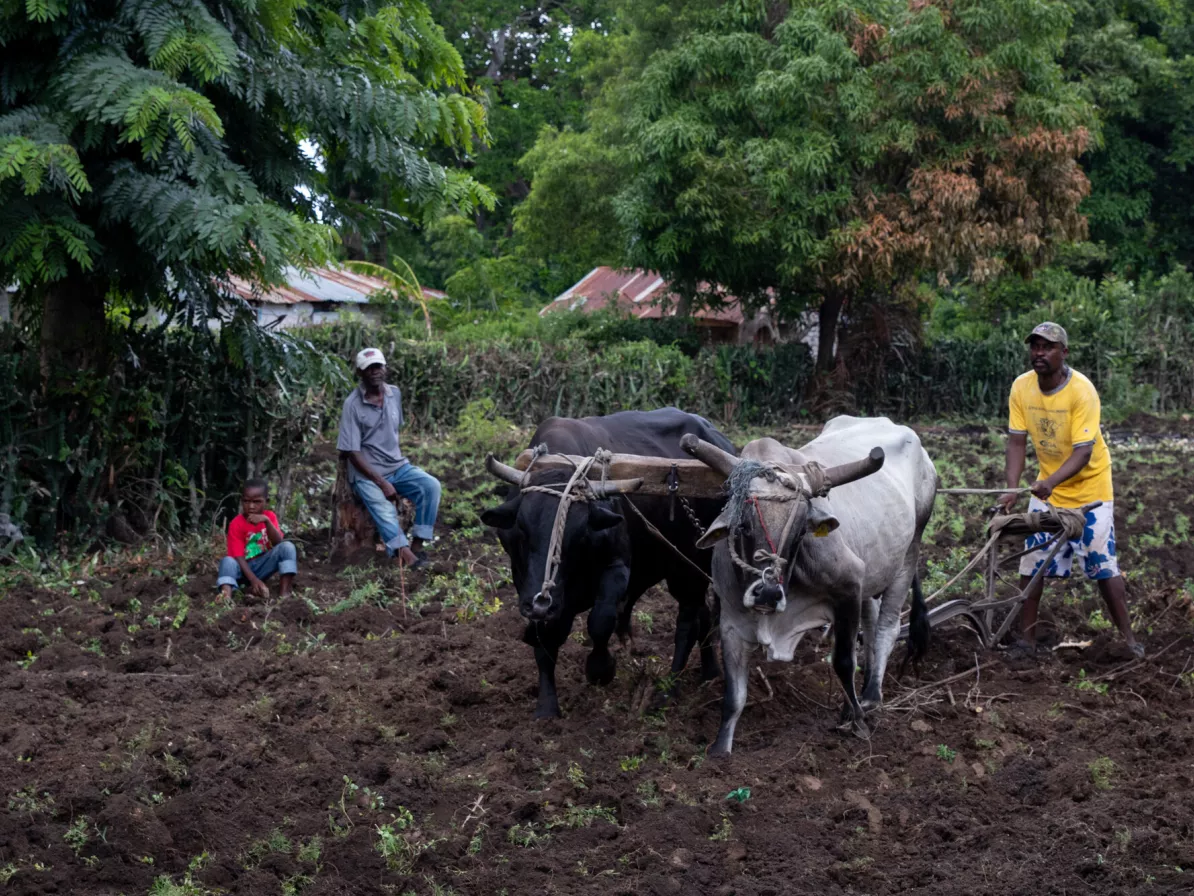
[373,734]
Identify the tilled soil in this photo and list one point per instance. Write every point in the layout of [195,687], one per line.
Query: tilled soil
[373,734]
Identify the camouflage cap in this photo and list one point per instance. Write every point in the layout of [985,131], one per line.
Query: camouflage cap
[1052,332]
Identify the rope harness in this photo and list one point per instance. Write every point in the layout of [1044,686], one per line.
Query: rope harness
[802,484]
[579,490]
[574,492]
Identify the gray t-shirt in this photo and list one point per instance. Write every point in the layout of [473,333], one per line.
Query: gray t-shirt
[373,431]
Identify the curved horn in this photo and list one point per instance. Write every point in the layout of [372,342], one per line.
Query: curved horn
[501,471]
[850,472]
[710,455]
[616,487]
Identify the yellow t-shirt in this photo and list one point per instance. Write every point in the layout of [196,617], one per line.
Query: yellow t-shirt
[1057,423]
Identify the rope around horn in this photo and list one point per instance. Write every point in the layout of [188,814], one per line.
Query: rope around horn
[571,495]
[738,485]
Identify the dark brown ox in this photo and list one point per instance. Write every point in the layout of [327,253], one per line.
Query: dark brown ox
[607,555]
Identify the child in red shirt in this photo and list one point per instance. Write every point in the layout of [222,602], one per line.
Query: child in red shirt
[256,547]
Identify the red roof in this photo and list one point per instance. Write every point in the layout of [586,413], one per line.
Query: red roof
[320,285]
[639,293]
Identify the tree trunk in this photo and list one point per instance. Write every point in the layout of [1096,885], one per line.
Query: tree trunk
[350,236]
[827,318]
[73,331]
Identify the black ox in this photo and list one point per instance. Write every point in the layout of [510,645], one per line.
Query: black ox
[609,556]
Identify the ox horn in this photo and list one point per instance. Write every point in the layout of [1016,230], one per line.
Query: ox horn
[501,471]
[710,455]
[850,472]
[613,487]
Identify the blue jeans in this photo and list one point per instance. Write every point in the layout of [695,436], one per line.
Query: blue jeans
[281,559]
[417,486]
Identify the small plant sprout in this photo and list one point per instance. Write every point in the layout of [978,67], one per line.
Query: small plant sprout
[1102,773]
[724,831]
[400,842]
[77,835]
[946,753]
[576,776]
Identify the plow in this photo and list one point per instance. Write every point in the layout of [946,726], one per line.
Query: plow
[993,614]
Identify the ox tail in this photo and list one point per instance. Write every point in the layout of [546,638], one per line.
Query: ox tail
[918,629]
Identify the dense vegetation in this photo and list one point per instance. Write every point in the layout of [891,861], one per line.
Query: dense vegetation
[938,174]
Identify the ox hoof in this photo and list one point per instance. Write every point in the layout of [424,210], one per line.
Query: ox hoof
[870,705]
[600,669]
[546,713]
[854,722]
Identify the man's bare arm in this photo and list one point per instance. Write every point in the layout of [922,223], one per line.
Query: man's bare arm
[1070,468]
[1017,450]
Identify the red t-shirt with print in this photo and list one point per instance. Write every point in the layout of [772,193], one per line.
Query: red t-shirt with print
[249,540]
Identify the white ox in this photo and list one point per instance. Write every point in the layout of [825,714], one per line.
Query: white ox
[790,556]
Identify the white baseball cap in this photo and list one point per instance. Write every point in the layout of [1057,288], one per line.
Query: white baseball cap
[367,357]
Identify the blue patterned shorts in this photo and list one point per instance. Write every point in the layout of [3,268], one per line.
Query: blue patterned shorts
[1095,550]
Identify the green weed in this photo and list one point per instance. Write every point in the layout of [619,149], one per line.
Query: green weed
[723,832]
[400,842]
[1102,772]
[1082,683]
[527,836]
[583,816]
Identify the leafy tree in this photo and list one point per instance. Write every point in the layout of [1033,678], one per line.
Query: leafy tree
[151,149]
[829,150]
[567,225]
[1134,61]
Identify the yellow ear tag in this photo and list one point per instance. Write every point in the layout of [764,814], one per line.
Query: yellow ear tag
[822,530]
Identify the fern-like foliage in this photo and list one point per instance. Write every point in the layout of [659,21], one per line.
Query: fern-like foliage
[152,148]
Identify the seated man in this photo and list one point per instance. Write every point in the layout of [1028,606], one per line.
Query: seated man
[377,470]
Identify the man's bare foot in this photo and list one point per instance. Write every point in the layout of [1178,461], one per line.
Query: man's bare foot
[225,592]
[409,559]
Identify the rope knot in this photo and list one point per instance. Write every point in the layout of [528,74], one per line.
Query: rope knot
[818,482]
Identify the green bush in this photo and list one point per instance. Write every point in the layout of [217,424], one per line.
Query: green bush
[162,440]
[1135,342]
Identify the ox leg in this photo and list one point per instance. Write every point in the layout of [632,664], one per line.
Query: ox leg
[735,657]
[694,626]
[709,666]
[870,618]
[546,642]
[846,610]
[600,666]
[887,630]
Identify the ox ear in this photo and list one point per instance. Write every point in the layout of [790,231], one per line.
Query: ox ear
[502,516]
[718,529]
[602,517]
[821,520]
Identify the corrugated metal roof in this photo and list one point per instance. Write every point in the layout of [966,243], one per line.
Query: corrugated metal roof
[639,293]
[320,285]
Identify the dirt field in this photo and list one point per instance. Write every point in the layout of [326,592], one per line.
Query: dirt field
[374,734]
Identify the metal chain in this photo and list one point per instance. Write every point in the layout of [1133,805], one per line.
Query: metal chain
[692,517]
[654,531]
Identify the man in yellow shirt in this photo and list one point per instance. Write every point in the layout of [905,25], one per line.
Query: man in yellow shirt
[1059,408]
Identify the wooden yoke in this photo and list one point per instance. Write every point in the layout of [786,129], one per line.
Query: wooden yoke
[692,478]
